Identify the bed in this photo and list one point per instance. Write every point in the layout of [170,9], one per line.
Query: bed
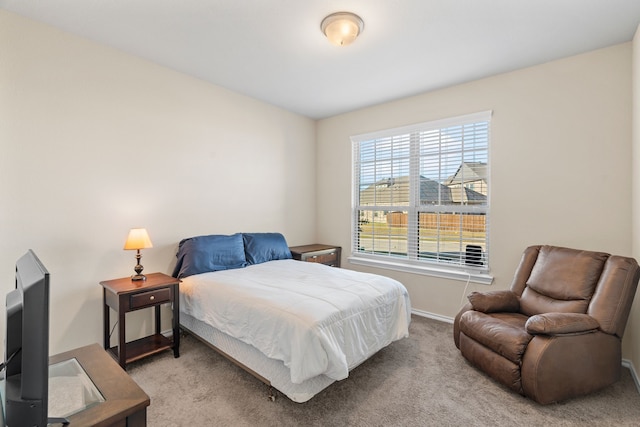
[297,326]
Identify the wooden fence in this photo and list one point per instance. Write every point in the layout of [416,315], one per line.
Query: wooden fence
[470,222]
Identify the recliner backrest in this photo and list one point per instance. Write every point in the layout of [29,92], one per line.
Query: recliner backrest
[554,279]
[562,280]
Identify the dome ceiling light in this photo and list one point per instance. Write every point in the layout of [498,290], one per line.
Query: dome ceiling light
[342,28]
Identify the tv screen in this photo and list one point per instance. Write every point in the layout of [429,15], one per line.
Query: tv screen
[27,345]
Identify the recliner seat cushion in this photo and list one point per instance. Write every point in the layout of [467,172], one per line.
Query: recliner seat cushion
[503,333]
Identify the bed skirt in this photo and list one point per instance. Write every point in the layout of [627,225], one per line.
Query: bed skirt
[270,371]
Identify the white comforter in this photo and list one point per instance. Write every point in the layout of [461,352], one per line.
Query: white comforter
[316,319]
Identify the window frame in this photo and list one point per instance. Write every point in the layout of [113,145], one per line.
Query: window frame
[413,262]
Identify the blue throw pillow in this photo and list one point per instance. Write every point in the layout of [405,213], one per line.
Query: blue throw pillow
[263,247]
[203,254]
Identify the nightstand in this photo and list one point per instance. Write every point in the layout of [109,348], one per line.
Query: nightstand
[323,254]
[125,295]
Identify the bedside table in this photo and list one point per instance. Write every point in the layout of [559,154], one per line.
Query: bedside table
[125,295]
[323,254]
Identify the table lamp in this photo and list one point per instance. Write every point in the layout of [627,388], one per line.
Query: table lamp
[137,239]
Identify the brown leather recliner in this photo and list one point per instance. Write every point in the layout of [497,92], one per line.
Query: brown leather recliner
[557,332]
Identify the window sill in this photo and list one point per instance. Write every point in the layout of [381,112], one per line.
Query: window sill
[443,272]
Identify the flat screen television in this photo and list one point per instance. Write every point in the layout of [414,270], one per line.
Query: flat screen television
[27,345]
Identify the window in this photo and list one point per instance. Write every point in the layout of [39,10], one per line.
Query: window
[421,194]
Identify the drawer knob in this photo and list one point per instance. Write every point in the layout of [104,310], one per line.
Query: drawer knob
[152,297]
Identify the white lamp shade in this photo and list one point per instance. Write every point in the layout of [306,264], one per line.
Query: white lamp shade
[342,28]
[138,238]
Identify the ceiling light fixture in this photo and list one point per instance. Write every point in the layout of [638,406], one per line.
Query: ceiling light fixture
[342,28]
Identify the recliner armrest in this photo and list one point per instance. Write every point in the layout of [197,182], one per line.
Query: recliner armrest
[494,301]
[561,324]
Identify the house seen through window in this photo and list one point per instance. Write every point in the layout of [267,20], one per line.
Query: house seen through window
[421,193]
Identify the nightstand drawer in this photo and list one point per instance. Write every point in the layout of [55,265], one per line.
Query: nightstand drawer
[321,254]
[144,299]
[327,257]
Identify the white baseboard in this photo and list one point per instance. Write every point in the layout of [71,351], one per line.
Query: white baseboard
[628,364]
[432,315]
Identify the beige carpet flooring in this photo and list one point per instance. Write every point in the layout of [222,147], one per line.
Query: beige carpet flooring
[419,381]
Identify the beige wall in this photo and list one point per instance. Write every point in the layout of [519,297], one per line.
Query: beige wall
[560,163]
[634,320]
[94,142]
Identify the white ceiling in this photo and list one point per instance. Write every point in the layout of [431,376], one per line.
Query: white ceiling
[273,50]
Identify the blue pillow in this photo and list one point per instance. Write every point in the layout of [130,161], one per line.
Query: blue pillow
[263,247]
[203,254]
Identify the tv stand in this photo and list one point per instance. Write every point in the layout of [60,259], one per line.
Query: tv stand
[125,403]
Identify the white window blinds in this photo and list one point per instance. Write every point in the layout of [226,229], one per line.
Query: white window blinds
[421,192]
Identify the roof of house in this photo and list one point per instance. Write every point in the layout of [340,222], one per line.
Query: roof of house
[395,192]
[467,172]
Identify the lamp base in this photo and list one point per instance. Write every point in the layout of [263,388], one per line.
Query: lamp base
[138,269]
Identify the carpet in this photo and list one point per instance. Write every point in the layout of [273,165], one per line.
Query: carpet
[418,381]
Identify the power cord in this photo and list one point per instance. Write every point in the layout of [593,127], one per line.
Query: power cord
[464,292]
[112,329]
[5,364]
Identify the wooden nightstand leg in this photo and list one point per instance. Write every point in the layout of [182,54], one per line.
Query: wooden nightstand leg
[176,321]
[105,320]
[157,309]
[122,339]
